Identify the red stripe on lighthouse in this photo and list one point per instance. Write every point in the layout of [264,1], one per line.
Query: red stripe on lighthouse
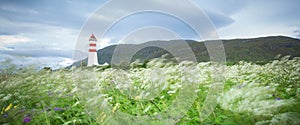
[92,50]
[93,44]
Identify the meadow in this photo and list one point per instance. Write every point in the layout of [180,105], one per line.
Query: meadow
[157,93]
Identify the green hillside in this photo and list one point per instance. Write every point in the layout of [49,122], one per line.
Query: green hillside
[257,50]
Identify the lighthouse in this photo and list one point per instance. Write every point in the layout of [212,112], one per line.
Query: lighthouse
[93,58]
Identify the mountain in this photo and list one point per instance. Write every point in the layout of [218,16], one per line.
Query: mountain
[257,50]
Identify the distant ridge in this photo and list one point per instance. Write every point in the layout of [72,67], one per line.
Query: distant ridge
[257,50]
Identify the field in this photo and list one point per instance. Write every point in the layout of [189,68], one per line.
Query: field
[156,93]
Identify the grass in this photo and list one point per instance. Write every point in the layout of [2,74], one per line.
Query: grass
[253,94]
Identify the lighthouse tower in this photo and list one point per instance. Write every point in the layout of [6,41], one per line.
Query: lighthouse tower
[93,58]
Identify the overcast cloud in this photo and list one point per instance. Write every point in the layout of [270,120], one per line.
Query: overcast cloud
[46,31]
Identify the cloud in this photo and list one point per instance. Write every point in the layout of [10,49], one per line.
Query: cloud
[297,32]
[53,62]
[263,18]
[66,62]
[8,40]
[38,52]
[228,7]
[155,15]
[18,9]
[219,20]
[41,40]
[39,36]
[105,42]
[55,12]
[43,30]
[149,34]
[47,45]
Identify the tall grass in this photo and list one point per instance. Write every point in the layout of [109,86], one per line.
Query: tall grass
[253,94]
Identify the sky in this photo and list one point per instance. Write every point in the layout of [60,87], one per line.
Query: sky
[45,32]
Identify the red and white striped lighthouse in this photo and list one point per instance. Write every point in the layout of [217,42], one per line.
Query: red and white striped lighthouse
[93,58]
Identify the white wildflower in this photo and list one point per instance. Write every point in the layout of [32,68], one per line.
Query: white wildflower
[146,110]
[6,98]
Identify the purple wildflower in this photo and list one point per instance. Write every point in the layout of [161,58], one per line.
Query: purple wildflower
[22,110]
[26,119]
[278,99]
[158,116]
[57,109]
[32,111]
[5,115]
[47,109]
[50,93]
[240,86]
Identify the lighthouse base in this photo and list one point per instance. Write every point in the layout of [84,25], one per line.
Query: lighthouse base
[92,59]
